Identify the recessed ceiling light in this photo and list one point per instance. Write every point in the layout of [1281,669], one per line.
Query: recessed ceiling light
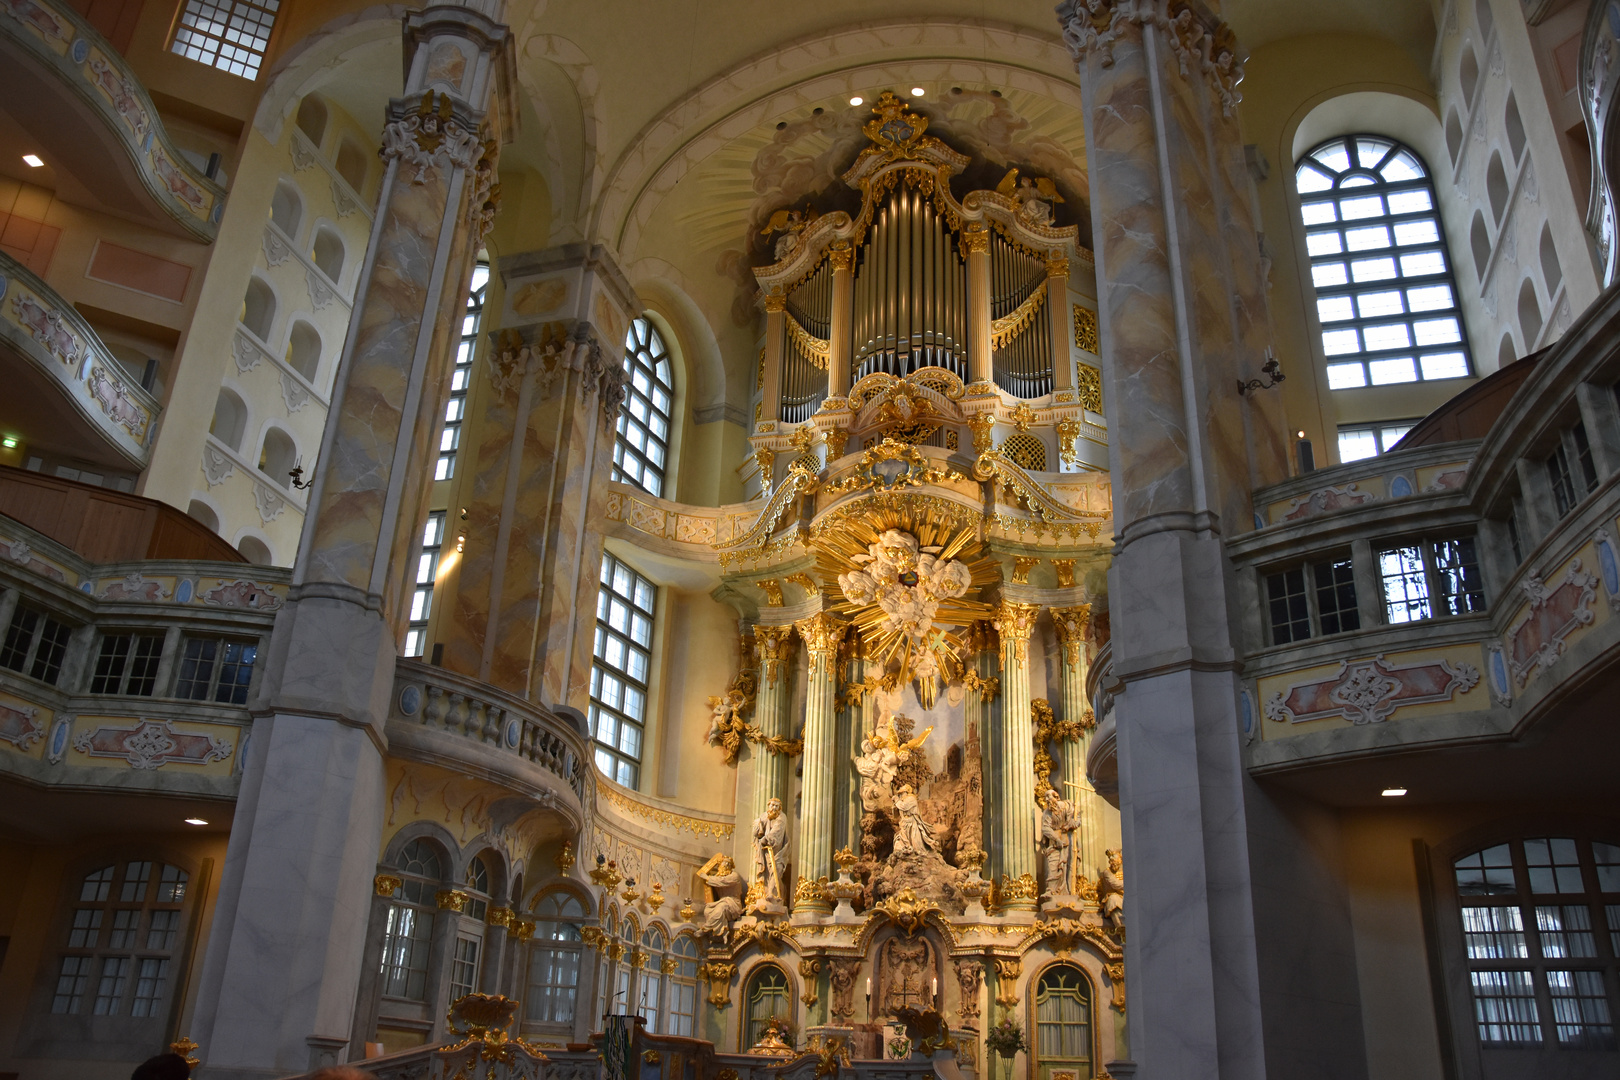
[917,91]
[1393,792]
[195,821]
[857,100]
[33,160]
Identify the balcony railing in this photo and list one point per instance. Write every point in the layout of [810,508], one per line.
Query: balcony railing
[444,718]
[59,41]
[58,344]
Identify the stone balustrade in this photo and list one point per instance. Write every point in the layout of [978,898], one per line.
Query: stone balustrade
[56,342]
[448,719]
[55,40]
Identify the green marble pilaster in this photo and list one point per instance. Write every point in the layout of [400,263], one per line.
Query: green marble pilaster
[1016,807]
[771,717]
[979,714]
[1073,626]
[821,634]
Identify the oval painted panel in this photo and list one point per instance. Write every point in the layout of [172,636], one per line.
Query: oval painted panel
[1400,487]
[514,732]
[184,591]
[410,699]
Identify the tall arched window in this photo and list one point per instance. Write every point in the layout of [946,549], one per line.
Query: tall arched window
[554,959]
[409,933]
[766,997]
[1063,1021]
[641,452]
[1384,288]
[621,669]
[650,994]
[466,961]
[455,408]
[123,942]
[1541,933]
[680,992]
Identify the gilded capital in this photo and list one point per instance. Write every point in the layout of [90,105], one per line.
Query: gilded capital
[1073,626]
[386,884]
[772,642]
[981,424]
[451,900]
[775,303]
[841,255]
[1015,623]
[821,633]
[1065,572]
[1057,264]
[976,241]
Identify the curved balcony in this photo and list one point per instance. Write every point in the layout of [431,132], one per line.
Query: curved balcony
[449,720]
[94,696]
[65,392]
[1452,598]
[90,115]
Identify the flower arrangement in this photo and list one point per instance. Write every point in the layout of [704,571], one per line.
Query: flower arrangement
[1006,1037]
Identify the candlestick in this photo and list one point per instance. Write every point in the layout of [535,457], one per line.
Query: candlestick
[933,992]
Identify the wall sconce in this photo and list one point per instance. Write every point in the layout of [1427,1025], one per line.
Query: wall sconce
[297,475]
[1271,369]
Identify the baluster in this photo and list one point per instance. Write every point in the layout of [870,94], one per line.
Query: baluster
[433,712]
[494,721]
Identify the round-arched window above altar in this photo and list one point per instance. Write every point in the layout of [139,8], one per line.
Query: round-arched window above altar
[641,451]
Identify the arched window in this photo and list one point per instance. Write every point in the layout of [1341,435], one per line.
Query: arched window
[1063,1021]
[621,1002]
[304,349]
[461,377]
[278,455]
[650,994]
[765,997]
[1468,75]
[352,163]
[312,119]
[554,959]
[1384,290]
[1496,186]
[1529,314]
[467,959]
[1540,924]
[123,943]
[641,451]
[259,309]
[409,932]
[287,208]
[229,423]
[681,990]
[1551,272]
[621,669]
[1514,123]
[327,252]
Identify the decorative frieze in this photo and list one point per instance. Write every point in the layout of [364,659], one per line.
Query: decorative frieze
[151,745]
[430,138]
[1205,48]
[1369,691]
[1538,636]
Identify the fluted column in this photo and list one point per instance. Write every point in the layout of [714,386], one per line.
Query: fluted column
[839,342]
[1057,315]
[976,245]
[1073,626]
[979,718]
[775,340]
[1015,623]
[771,717]
[821,634]
[280,978]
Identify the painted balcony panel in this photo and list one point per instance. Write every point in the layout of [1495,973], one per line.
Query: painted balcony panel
[106,416]
[67,393]
[145,723]
[104,139]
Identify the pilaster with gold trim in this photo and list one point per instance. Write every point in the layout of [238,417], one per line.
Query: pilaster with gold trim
[1073,628]
[771,717]
[1015,623]
[822,634]
[976,248]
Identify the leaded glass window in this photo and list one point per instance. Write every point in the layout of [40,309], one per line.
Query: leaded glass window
[641,451]
[1379,261]
[622,668]
[767,997]
[1063,1020]
[554,959]
[408,933]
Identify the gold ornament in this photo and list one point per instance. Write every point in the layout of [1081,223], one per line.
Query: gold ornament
[386,884]
[1068,430]
[184,1046]
[1065,575]
[451,900]
[565,858]
[981,425]
[1022,565]
[906,910]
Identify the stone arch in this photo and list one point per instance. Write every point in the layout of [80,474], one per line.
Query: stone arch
[259,308]
[317,58]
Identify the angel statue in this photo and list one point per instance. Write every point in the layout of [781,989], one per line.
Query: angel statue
[790,223]
[1034,196]
[882,754]
[906,581]
[1111,889]
[727,728]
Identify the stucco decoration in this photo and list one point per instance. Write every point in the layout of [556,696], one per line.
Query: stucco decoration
[151,745]
[20,726]
[1369,691]
[1539,636]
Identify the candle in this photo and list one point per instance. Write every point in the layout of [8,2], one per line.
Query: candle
[933,991]
[869,986]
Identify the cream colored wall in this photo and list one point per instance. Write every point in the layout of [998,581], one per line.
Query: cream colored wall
[698,659]
[1284,86]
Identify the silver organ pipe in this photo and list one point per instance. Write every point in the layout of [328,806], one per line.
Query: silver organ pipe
[804,376]
[910,292]
[1022,365]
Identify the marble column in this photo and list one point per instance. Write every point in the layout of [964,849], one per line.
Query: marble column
[1209,856]
[976,249]
[771,717]
[1016,806]
[979,719]
[1073,627]
[852,728]
[822,634]
[280,977]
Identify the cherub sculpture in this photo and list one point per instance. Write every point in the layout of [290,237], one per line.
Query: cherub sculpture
[1034,196]
[790,223]
[1111,889]
[882,754]
[728,728]
[906,581]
